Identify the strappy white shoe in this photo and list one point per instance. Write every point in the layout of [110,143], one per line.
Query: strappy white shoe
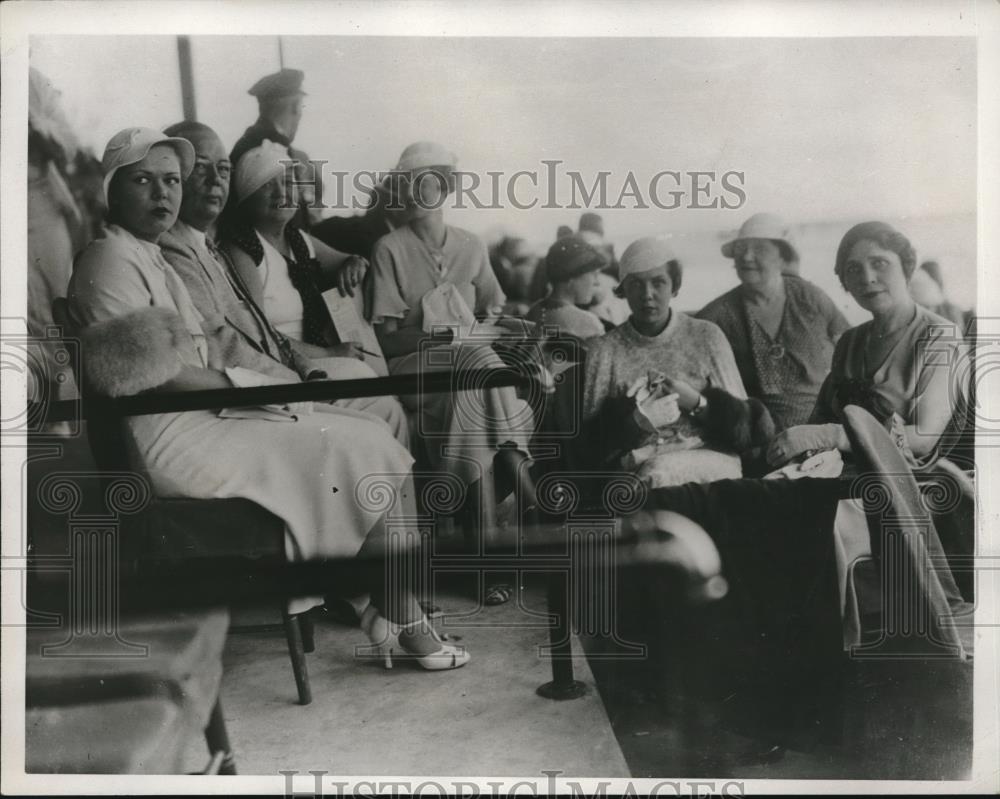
[384,637]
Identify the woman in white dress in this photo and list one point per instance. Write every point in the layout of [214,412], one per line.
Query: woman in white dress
[286,270]
[334,477]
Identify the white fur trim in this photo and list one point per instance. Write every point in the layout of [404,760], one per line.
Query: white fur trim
[132,353]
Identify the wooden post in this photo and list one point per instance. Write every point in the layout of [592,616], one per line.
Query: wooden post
[187,78]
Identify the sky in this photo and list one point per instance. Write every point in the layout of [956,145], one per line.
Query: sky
[822,128]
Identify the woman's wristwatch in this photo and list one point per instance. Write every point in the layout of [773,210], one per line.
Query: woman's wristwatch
[699,409]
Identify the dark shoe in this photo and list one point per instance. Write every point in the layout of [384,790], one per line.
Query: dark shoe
[498,594]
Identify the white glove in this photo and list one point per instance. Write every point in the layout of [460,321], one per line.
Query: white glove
[804,438]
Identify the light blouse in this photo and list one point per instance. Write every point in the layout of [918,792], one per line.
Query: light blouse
[405,268]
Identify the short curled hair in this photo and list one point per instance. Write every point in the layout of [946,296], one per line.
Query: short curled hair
[885,236]
[674,271]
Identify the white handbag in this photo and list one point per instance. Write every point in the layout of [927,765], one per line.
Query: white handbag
[444,306]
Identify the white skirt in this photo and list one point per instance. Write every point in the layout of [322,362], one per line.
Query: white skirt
[330,476]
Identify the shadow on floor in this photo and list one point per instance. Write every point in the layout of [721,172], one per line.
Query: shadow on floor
[678,710]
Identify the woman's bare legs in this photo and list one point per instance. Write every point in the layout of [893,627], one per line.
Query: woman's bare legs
[396,585]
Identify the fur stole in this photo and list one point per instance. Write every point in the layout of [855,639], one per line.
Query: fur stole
[132,353]
[735,424]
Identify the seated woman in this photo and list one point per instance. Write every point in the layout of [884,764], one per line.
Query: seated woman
[143,333]
[572,266]
[782,328]
[432,286]
[883,365]
[712,421]
[900,366]
[285,270]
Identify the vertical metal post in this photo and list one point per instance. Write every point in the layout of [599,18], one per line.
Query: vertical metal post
[281,54]
[187,78]
[563,684]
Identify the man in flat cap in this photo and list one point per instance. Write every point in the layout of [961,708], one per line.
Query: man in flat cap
[279,97]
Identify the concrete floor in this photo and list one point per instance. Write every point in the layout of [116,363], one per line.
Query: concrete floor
[484,719]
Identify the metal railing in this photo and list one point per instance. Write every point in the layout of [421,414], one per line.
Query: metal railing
[313,390]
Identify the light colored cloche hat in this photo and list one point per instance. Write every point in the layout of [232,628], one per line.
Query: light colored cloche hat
[423,154]
[131,145]
[645,254]
[763,226]
[257,167]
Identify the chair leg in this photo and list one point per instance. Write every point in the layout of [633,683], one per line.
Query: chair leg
[293,632]
[469,518]
[308,628]
[217,738]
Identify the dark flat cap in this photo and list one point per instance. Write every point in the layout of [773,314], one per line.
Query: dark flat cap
[570,257]
[279,84]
